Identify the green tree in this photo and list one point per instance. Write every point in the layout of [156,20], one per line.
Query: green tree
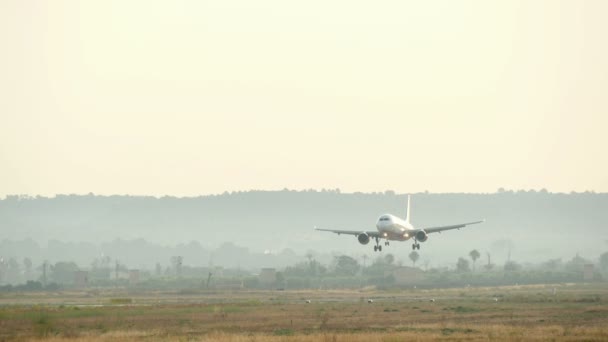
[389,259]
[176,262]
[304,269]
[63,272]
[280,280]
[13,271]
[346,266]
[474,254]
[463,265]
[27,263]
[576,264]
[310,255]
[552,264]
[414,256]
[511,266]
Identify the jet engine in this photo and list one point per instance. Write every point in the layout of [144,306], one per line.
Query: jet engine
[422,236]
[363,238]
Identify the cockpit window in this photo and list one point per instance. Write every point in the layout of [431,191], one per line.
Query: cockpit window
[384,219]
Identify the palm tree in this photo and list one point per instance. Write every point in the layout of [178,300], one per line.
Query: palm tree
[389,259]
[414,256]
[474,254]
[309,256]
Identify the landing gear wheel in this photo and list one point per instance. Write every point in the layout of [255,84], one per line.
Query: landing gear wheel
[375,248]
[418,246]
[414,246]
[386,243]
[379,248]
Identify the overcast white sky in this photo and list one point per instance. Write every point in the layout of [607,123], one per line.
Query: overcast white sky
[198,97]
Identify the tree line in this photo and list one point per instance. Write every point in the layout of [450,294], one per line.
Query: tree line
[342,271]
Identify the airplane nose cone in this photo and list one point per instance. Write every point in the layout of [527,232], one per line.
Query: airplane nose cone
[382,224]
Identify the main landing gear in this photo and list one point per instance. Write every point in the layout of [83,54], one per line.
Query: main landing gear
[377,247]
[416,245]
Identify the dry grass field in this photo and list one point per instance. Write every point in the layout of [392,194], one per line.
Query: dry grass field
[573,312]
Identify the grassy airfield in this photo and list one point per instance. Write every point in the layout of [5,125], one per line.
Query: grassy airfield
[539,312]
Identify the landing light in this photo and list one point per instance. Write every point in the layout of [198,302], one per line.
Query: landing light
[385,234]
[405,235]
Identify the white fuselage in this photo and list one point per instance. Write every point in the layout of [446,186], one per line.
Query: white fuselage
[393,228]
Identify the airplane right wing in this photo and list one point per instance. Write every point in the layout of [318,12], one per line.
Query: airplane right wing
[371,234]
[455,226]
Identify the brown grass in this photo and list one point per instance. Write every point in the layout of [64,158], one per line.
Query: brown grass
[522,313]
[419,333]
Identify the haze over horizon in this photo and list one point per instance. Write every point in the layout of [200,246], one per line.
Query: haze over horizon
[187,98]
[330,190]
[537,225]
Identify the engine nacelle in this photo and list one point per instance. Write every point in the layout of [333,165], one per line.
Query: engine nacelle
[363,238]
[422,236]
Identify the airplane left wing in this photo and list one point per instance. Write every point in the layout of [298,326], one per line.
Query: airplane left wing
[455,226]
[351,232]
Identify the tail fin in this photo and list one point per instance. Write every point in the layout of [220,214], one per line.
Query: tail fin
[407,214]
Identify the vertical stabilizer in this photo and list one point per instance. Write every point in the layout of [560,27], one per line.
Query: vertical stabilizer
[407,214]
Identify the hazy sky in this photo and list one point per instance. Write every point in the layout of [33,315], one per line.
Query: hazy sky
[197,97]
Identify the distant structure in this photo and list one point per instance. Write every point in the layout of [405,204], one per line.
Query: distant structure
[81,279]
[133,277]
[588,272]
[268,277]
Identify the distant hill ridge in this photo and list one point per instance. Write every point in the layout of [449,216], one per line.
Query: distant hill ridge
[538,222]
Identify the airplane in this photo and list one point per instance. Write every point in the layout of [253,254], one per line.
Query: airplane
[391,227]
